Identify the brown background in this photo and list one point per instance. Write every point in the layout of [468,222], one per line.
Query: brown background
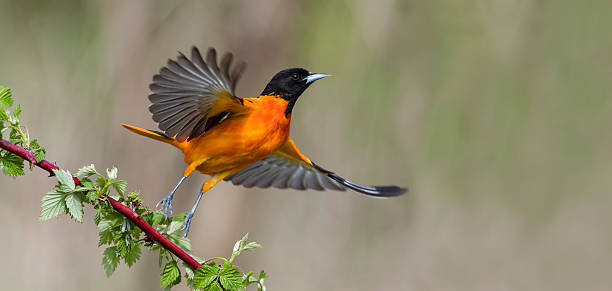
[496,114]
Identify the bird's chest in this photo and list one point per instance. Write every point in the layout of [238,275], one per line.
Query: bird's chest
[242,140]
[266,131]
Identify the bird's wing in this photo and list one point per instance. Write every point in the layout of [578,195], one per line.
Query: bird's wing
[289,168]
[188,97]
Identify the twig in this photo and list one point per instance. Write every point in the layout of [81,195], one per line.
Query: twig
[124,210]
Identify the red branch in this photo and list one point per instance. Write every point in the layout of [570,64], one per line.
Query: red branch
[124,210]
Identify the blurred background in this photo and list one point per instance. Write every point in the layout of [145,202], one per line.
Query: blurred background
[496,115]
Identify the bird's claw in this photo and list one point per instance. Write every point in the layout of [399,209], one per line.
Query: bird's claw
[187,223]
[166,205]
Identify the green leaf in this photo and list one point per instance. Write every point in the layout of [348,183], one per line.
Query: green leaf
[87,183]
[205,275]
[240,244]
[189,273]
[171,275]
[174,227]
[120,186]
[53,204]
[231,279]
[112,173]
[262,275]
[17,111]
[65,179]
[110,260]
[87,171]
[34,144]
[132,255]
[6,100]
[39,154]
[75,206]
[182,242]
[12,165]
[106,224]
[252,245]
[179,217]
[214,287]
[91,196]
[105,237]
[3,115]
[97,217]
[158,216]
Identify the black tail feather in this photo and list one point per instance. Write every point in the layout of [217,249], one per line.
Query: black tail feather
[377,191]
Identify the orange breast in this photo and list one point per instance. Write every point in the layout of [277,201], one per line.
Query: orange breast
[242,139]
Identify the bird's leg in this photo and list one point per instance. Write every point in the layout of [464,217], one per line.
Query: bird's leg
[166,203]
[209,184]
[190,214]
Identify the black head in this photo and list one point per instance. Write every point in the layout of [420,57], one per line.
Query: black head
[289,84]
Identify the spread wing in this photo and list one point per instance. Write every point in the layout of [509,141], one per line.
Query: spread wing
[189,97]
[288,168]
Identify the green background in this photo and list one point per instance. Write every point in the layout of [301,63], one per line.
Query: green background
[496,115]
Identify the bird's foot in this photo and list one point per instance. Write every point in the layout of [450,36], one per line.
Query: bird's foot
[187,224]
[166,204]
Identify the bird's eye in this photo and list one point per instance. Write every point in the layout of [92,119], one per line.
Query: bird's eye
[295,76]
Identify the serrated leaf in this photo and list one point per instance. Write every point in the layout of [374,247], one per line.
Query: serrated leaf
[120,186]
[105,224]
[104,238]
[132,255]
[34,144]
[6,99]
[214,287]
[189,273]
[75,206]
[110,259]
[65,179]
[231,279]
[12,165]
[157,217]
[3,115]
[53,204]
[205,275]
[39,155]
[101,182]
[112,173]
[174,227]
[86,183]
[87,171]
[182,242]
[97,217]
[91,196]
[171,275]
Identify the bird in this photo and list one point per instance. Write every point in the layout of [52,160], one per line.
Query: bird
[244,141]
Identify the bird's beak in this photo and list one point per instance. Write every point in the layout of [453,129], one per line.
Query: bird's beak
[314,76]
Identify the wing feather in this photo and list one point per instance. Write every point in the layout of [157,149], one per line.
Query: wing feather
[184,93]
[288,168]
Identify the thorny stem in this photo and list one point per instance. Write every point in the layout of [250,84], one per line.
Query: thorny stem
[124,210]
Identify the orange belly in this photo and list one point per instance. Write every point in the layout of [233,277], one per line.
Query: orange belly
[240,140]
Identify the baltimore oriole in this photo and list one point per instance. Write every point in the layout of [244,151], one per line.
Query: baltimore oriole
[242,140]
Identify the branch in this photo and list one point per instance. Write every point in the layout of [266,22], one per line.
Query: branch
[124,210]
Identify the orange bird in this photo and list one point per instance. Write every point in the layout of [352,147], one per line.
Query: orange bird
[242,140]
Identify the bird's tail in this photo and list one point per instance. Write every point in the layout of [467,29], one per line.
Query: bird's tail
[376,191]
[156,135]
